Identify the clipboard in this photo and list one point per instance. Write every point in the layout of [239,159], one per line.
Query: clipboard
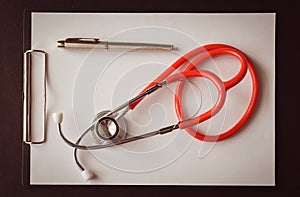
[122,174]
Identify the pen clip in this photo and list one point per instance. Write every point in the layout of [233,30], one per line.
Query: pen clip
[83,40]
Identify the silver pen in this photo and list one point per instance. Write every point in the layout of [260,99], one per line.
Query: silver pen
[96,43]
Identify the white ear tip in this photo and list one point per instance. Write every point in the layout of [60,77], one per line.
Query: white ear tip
[87,175]
[58,117]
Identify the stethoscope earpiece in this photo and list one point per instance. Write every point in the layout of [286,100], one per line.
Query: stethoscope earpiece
[87,175]
[57,117]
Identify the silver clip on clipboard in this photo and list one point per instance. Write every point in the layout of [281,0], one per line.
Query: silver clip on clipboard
[27,97]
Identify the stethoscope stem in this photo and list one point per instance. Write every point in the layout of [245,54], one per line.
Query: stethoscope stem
[137,98]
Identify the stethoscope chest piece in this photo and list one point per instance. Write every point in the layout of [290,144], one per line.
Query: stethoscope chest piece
[107,129]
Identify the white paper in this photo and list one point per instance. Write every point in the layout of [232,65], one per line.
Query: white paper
[81,83]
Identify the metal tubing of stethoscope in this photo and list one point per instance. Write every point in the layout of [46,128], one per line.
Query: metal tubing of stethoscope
[127,103]
[114,143]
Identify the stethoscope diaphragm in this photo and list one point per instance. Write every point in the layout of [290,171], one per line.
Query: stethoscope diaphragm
[107,129]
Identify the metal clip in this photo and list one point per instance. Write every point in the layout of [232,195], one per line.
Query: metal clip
[27,134]
[61,43]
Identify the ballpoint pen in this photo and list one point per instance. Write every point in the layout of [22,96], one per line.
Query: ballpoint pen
[96,43]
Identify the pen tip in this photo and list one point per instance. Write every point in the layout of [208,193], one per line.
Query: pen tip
[60,43]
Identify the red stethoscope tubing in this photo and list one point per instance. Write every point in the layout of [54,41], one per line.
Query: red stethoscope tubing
[199,55]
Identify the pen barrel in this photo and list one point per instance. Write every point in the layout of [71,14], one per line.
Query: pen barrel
[138,46]
[116,46]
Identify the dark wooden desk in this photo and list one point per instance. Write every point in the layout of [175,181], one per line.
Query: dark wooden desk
[287,60]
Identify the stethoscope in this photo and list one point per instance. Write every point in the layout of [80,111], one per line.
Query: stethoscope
[105,125]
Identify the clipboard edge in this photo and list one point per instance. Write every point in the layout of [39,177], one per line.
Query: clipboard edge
[26,147]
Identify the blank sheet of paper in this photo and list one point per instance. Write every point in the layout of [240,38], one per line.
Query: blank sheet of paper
[80,83]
